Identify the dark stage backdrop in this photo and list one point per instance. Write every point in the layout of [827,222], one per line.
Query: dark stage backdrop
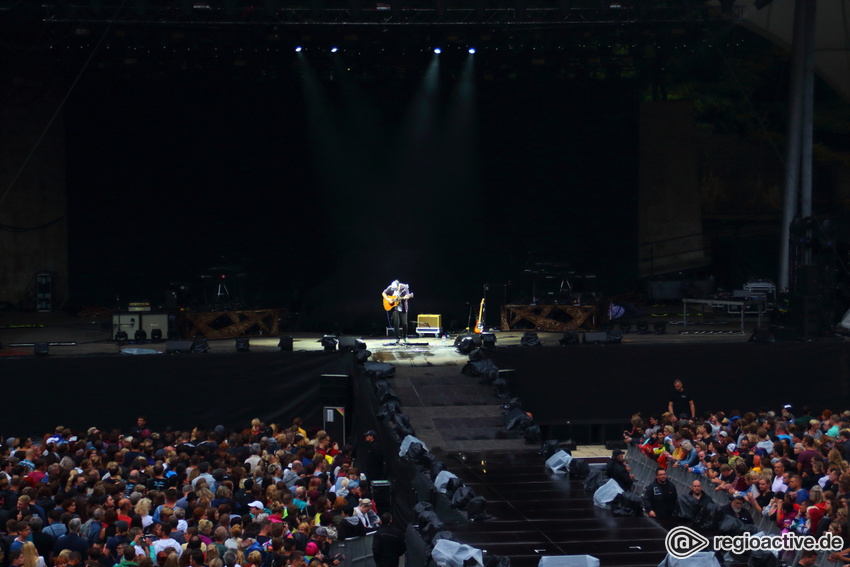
[614,382]
[182,391]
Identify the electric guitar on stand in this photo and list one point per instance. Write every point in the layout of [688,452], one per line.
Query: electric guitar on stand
[479,324]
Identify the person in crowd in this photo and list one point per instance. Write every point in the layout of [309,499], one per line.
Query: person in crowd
[660,496]
[388,543]
[681,404]
[736,509]
[619,470]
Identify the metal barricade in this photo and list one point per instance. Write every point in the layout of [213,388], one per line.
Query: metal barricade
[357,551]
[644,468]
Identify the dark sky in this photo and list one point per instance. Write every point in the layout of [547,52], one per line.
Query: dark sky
[171,174]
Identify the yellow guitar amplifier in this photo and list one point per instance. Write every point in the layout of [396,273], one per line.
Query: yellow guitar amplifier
[429,321]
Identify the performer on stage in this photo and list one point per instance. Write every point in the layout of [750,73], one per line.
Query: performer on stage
[395,298]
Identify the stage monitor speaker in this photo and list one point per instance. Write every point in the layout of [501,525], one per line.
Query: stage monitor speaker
[333,418]
[243,344]
[570,338]
[465,344]
[509,376]
[329,343]
[200,345]
[530,338]
[597,337]
[762,336]
[351,343]
[334,390]
[173,347]
[488,340]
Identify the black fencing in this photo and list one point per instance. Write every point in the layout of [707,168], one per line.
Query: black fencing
[182,390]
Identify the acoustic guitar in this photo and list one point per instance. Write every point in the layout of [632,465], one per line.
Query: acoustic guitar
[393,301]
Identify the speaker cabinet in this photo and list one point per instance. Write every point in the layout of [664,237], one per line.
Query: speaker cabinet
[333,418]
[334,390]
[173,347]
[127,322]
[151,321]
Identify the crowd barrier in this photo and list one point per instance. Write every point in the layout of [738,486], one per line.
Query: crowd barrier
[357,551]
[644,470]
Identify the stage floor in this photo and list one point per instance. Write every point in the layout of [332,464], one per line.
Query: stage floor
[92,335]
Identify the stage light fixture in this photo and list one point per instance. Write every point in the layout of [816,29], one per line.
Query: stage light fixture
[530,338]
[660,327]
[642,327]
[570,338]
[488,340]
[437,50]
[334,49]
[41,349]
[200,345]
[329,343]
[156,334]
[298,49]
[465,344]
[121,336]
[472,51]
[625,326]
[140,336]
[243,344]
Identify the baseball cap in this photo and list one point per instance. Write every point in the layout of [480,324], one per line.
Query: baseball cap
[370,432]
[321,531]
[365,502]
[256,504]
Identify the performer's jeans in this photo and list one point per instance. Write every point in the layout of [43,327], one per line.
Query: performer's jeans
[400,324]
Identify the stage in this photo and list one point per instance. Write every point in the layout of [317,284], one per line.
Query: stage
[585,384]
[584,392]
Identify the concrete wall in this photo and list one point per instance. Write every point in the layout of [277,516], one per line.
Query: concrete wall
[35,195]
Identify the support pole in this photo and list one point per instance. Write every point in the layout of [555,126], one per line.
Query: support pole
[794,139]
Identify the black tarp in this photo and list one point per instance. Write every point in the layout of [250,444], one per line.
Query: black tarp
[182,391]
[615,381]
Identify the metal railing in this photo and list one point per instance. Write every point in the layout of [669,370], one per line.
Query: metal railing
[644,470]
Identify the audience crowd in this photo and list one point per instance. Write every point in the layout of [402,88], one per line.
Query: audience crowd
[790,466]
[266,496]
